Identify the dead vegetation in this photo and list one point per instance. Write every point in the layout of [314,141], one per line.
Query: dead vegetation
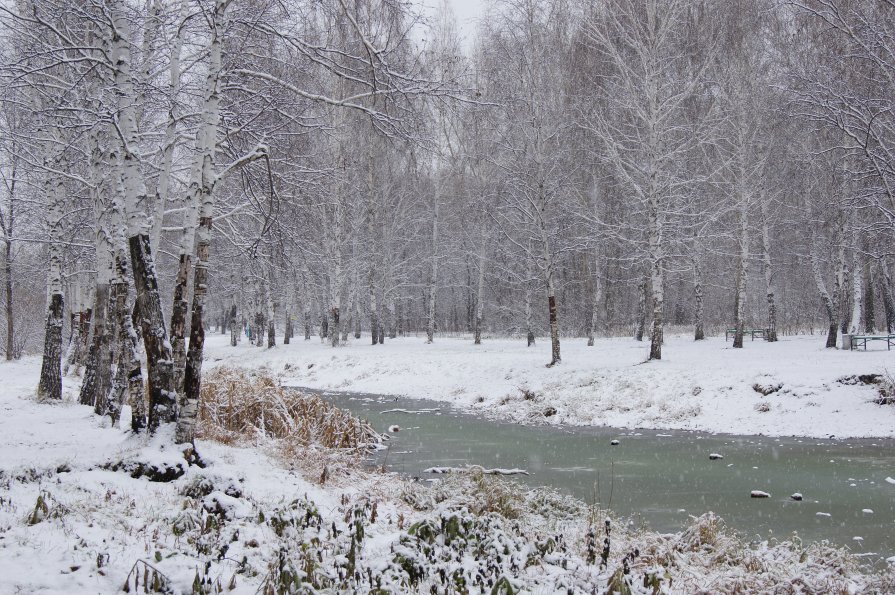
[250,407]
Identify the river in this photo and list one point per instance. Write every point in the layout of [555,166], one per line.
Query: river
[661,477]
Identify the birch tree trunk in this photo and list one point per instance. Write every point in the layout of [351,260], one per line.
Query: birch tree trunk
[888,293]
[854,326]
[698,306]
[9,226]
[433,272]
[170,141]
[656,272]
[597,298]
[155,336]
[830,305]
[742,272]
[480,287]
[529,325]
[842,280]
[307,320]
[768,273]
[869,299]
[235,327]
[393,318]
[50,385]
[358,314]
[10,316]
[271,314]
[640,322]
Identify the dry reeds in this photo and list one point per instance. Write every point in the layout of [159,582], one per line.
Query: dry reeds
[239,406]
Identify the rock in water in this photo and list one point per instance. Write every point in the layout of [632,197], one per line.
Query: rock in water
[394,429]
[614,443]
[797,497]
[759,494]
[715,457]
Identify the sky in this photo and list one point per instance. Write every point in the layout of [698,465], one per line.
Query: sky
[467,12]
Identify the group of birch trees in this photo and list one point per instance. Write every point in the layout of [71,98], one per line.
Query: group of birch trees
[350,168]
[130,128]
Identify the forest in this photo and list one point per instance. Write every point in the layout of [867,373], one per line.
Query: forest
[210,208]
[576,169]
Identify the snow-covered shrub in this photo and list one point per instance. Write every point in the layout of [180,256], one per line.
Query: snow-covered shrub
[886,389]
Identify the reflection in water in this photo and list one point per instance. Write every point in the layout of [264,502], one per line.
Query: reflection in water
[663,476]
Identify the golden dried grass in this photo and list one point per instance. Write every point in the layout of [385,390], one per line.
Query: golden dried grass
[241,406]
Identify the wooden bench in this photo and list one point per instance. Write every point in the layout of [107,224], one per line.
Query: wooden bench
[761,332]
[863,339]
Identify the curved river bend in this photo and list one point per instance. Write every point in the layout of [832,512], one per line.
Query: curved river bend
[662,477]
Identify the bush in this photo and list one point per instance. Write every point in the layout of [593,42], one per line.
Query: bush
[238,406]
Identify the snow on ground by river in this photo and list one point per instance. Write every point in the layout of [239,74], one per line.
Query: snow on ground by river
[95,524]
[249,522]
[704,385]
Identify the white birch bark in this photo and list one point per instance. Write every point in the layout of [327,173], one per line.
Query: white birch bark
[162,397]
[854,326]
[433,270]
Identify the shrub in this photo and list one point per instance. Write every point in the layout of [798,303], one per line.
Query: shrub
[239,406]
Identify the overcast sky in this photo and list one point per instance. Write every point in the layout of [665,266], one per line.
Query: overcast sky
[467,11]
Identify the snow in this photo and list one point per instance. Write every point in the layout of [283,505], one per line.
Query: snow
[704,385]
[70,525]
[97,522]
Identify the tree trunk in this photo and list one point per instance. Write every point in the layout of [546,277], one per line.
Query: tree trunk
[770,292]
[480,290]
[235,327]
[192,385]
[742,272]
[128,382]
[640,323]
[529,326]
[857,292]
[657,283]
[888,293]
[159,361]
[96,372]
[50,386]
[178,315]
[869,299]
[307,316]
[393,319]
[829,304]
[433,274]
[842,280]
[271,316]
[11,352]
[597,294]
[698,325]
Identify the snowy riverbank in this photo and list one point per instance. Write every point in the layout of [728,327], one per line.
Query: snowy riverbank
[251,521]
[698,386]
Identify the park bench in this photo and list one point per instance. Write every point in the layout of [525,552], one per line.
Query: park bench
[863,339]
[761,332]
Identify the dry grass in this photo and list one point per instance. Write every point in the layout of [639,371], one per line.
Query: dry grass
[240,407]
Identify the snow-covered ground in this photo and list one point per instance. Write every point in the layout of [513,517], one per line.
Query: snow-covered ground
[95,524]
[71,524]
[704,385]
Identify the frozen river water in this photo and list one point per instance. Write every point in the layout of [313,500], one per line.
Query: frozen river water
[662,477]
